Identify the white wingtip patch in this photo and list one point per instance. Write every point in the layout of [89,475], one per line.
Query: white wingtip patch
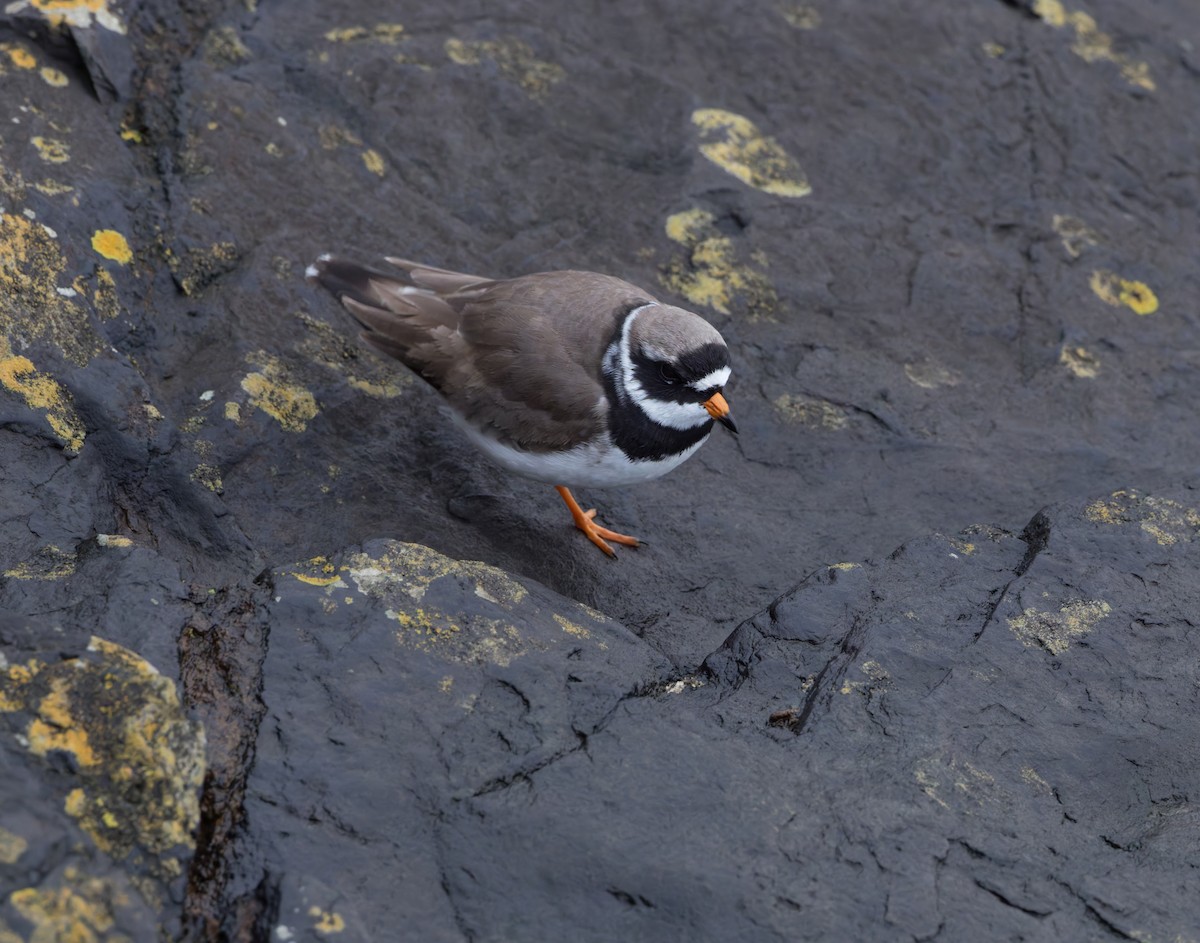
[325,257]
[312,272]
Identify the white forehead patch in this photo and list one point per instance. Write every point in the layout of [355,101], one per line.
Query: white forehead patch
[717,378]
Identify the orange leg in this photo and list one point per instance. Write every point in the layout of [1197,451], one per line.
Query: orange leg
[595,533]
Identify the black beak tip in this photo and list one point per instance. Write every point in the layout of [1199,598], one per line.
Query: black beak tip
[728,423]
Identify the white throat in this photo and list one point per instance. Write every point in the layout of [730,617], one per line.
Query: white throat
[672,415]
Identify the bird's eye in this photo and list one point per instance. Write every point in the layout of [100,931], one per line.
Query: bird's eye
[669,374]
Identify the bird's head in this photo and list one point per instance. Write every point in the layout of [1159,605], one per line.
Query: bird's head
[674,366]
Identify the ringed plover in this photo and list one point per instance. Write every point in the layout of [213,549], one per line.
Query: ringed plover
[572,378]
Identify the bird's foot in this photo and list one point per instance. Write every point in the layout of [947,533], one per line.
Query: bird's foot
[601,535]
[585,521]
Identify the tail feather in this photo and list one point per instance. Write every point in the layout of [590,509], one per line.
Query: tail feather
[400,316]
[386,303]
[438,280]
[344,278]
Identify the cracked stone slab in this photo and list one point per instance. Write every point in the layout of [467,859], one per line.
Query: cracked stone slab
[403,686]
[988,730]
[899,748]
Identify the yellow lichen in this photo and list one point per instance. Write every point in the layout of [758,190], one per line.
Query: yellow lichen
[104,298]
[811,411]
[112,245]
[336,351]
[515,60]
[53,77]
[50,150]
[1030,775]
[32,269]
[460,611]
[199,266]
[12,846]
[82,912]
[1076,235]
[571,628]
[21,57]
[930,375]
[388,33]
[386,390]
[275,392]
[49,563]
[1054,631]
[948,780]
[332,136]
[52,187]
[1114,290]
[318,572]
[734,144]
[710,274]
[319,580]
[1079,360]
[403,574]
[139,760]
[55,726]
[1167,521]
[78,13]
[326,921]
[346,34]
[412,568]
[1091,44]
[373,161]
[878,677]
[42,392]
[224,47]
[800,15]
[209,476]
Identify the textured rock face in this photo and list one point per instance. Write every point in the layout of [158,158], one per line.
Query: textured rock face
[101,778]
[1014,751]
[953,250]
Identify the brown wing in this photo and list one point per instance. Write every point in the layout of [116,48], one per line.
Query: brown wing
[520,357]
[528,352]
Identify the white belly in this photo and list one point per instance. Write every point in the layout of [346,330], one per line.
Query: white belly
[597,465]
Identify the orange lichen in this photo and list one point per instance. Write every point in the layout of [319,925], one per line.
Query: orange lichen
[112,245]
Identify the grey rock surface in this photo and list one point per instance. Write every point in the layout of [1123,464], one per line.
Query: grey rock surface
[100,779]
[953,250]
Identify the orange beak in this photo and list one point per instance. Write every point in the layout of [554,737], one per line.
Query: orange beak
[719,410]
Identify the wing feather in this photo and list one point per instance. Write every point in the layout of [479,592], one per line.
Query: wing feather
[519,358]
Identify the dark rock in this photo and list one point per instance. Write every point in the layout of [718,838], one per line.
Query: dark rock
[419,686]
[100,777]
[1011,749]
[979,731]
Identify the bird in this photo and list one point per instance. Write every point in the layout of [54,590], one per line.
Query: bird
[572,378]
